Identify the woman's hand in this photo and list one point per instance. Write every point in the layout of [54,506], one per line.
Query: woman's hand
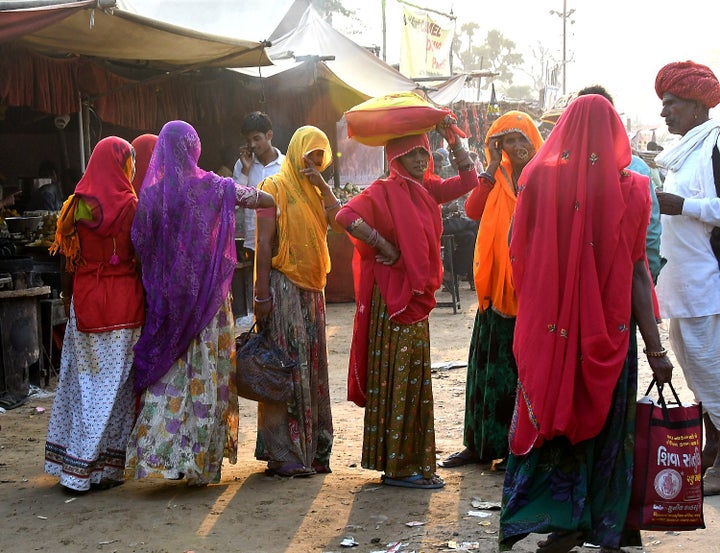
[263,309]
[313,174]
[662,368]
[387,254]
[442,129]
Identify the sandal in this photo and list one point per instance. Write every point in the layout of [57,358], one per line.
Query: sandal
[561,542]
[106,484]
[711,481]
[290,470]
[320,468]
[415,481]
[459,458]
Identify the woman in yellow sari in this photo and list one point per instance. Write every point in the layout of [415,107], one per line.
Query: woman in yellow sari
[511,142]
[291,266]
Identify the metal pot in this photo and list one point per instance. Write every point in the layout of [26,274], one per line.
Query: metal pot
[23,225]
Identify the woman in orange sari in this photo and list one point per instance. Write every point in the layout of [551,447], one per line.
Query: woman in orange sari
[512,141]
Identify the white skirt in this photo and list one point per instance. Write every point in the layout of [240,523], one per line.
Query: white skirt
[93,410]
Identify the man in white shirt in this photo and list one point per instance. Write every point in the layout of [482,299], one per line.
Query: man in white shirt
[258,160]
[689,285]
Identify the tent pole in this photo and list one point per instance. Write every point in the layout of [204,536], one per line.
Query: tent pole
[81,133]
[384,32]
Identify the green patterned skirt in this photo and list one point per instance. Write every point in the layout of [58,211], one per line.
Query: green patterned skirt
[490,386]
[399,433]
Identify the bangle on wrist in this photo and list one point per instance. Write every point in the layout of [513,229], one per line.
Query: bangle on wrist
[264,300]
[487,176]
[333,206]
[662,353]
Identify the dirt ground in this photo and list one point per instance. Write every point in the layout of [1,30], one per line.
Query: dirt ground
[248,512]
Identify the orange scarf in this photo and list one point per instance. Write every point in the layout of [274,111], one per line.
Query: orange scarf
[492,270]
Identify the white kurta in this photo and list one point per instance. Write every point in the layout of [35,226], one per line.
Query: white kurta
[689,284]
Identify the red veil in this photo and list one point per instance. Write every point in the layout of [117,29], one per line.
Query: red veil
[579,226]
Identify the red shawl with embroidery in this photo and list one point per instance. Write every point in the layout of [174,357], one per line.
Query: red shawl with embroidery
[579,227]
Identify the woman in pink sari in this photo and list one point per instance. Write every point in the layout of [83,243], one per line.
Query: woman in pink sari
[582,281]
[396,226]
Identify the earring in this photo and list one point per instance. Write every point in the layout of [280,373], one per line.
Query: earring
[695,117]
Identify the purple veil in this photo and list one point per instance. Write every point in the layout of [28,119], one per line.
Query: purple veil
[183,234]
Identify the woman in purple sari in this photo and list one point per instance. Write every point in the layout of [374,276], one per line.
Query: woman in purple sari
[183,234]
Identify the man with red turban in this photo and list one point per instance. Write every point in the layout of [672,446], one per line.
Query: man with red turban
[689,285]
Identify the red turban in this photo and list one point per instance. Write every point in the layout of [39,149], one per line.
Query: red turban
[690,81]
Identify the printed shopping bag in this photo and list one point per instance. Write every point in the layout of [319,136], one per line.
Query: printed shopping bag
[667,491]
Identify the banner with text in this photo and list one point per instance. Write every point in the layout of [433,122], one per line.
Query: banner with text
[425,45]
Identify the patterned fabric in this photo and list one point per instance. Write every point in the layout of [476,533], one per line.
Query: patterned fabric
[560,487]
[189,419]
[399,430]
[578,230]
[184,235]
[301,432]
[92,412]
[490,386]
[302,252]
[405,212]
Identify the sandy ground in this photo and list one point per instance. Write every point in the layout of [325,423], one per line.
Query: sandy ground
[249,512]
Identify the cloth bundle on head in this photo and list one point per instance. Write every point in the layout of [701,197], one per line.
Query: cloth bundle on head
[690,81]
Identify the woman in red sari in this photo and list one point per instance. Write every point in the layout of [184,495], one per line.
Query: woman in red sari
[396,226]
[580,273]
[92,413]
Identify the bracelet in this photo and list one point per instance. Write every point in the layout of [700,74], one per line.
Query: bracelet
[373,238]
[488,177]
[258,300]
[333,206]
[257,196]
[662,353]
[355,224]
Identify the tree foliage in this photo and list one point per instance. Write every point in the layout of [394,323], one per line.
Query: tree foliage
[497,53]
[327,8]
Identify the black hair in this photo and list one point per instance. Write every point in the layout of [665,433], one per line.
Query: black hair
[47,169]
[257,121]
[596,89]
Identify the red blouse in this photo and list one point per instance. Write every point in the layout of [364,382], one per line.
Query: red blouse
[107,289]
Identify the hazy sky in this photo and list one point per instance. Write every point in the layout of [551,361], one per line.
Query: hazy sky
[620,44]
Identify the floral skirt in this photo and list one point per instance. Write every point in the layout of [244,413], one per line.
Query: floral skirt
[299,433]
[490,386]
[188,420]
[561,487]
